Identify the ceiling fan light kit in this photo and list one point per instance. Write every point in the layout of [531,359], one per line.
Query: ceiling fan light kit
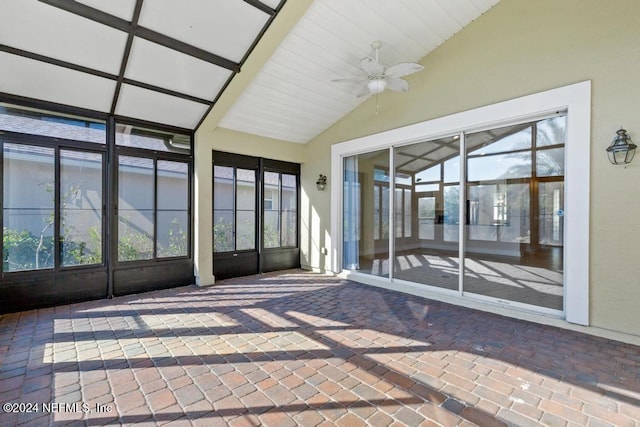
[376,85]
[377,78]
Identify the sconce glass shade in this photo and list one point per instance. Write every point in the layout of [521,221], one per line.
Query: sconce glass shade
[622,149]
[321,183]
[377,85]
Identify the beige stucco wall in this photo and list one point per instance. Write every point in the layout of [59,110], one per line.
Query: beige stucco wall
[517,48]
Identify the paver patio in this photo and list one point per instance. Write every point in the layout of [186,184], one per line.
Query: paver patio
[297,348]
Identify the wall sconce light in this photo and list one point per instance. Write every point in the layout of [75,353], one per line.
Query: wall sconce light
[321,183]
[622,149]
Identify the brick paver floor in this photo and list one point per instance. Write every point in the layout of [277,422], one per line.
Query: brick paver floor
[297,348]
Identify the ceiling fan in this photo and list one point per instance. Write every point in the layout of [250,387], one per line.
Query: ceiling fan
[376,77]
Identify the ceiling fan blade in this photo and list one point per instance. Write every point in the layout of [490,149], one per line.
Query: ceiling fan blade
[397,85]
[371,66]
[403,69]
[352,79]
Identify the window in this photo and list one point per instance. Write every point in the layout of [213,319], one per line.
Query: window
[289,210]
[402,207]
[81,207]
[173,208]
[498,228]
[366,200]
[33,121]
[381,204]
[136,216]
[28,207]
[234,192]
[153,206]
[245,209]
[380,211]
[151,139]
[280,204]
[271,225]
[426,218]
[500,208]
[44,204]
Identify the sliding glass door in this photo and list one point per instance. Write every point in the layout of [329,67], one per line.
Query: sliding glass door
[515,180]
[505,221]
[429,172]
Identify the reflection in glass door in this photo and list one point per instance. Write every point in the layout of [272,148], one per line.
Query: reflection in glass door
[426,218]
[366,213]
[431,255]
[515,202]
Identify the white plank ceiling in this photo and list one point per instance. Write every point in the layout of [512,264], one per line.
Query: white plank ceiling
[168,61]
[293,98]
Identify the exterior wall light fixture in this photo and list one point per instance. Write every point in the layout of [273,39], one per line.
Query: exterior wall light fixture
[622,149]
[321,183]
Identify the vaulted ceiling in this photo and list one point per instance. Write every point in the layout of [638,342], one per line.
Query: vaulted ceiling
[169,61]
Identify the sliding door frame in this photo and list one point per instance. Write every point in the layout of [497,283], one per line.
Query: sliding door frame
[576,101]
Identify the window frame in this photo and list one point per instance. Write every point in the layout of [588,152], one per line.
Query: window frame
[58,145]
[234,209]
[155,156]
[280,171]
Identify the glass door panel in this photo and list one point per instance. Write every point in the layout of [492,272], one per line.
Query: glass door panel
[426,218]
[234,219]
[234,210]
[551,201]
[366,213]
[271,210]
[289,212]
[245,209]
[513,247]
[430,206]
[224,223]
